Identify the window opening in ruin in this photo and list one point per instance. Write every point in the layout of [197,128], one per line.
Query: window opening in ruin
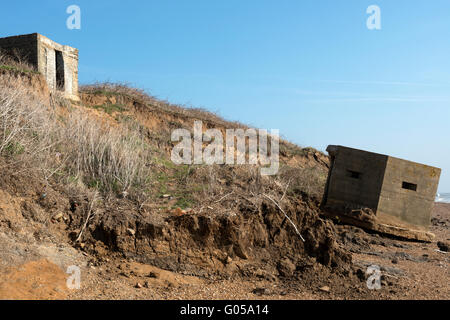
[409,186]
[354,174]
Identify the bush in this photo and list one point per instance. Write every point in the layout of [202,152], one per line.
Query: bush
[110,159]
[113,159]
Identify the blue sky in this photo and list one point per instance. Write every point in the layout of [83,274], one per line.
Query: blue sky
[309,68]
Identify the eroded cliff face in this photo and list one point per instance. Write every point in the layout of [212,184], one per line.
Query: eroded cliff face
[213,222]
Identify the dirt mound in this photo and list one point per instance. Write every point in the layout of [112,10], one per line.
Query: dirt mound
[258,241]
[246,235]
[37,280]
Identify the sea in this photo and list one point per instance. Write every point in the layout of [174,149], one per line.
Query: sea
[443,197]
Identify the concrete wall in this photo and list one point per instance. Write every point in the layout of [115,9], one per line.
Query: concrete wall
[402,205]
[26,45]
[41,53]
[355,179]
[400,192]
[47,65]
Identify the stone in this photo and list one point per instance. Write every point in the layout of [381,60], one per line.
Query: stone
[58,216]
[361,275]
[286,268]
[260,291]
[443,246]
[325,289]
[178,211]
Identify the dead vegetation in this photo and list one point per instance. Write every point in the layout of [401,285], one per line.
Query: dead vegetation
[194,186]
[123,90]
[123,159]
[15,62]
[121,193]
[69,147]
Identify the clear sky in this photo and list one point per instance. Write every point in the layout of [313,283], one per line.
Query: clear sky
[309,68]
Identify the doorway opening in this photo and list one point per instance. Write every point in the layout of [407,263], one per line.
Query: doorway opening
[60,85]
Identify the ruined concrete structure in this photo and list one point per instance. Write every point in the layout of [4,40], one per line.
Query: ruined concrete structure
[381,192]
[57,63]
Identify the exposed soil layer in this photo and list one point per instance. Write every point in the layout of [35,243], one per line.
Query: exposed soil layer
[256,243]
[255,240]
[36,280]
[402,265]
[127,255]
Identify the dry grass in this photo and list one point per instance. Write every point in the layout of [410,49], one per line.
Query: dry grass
[111,159]
[74,148]
[123,90]
[221,187]
[122,160]
[126,90]
[25,130]
[14,61]
[225,188]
